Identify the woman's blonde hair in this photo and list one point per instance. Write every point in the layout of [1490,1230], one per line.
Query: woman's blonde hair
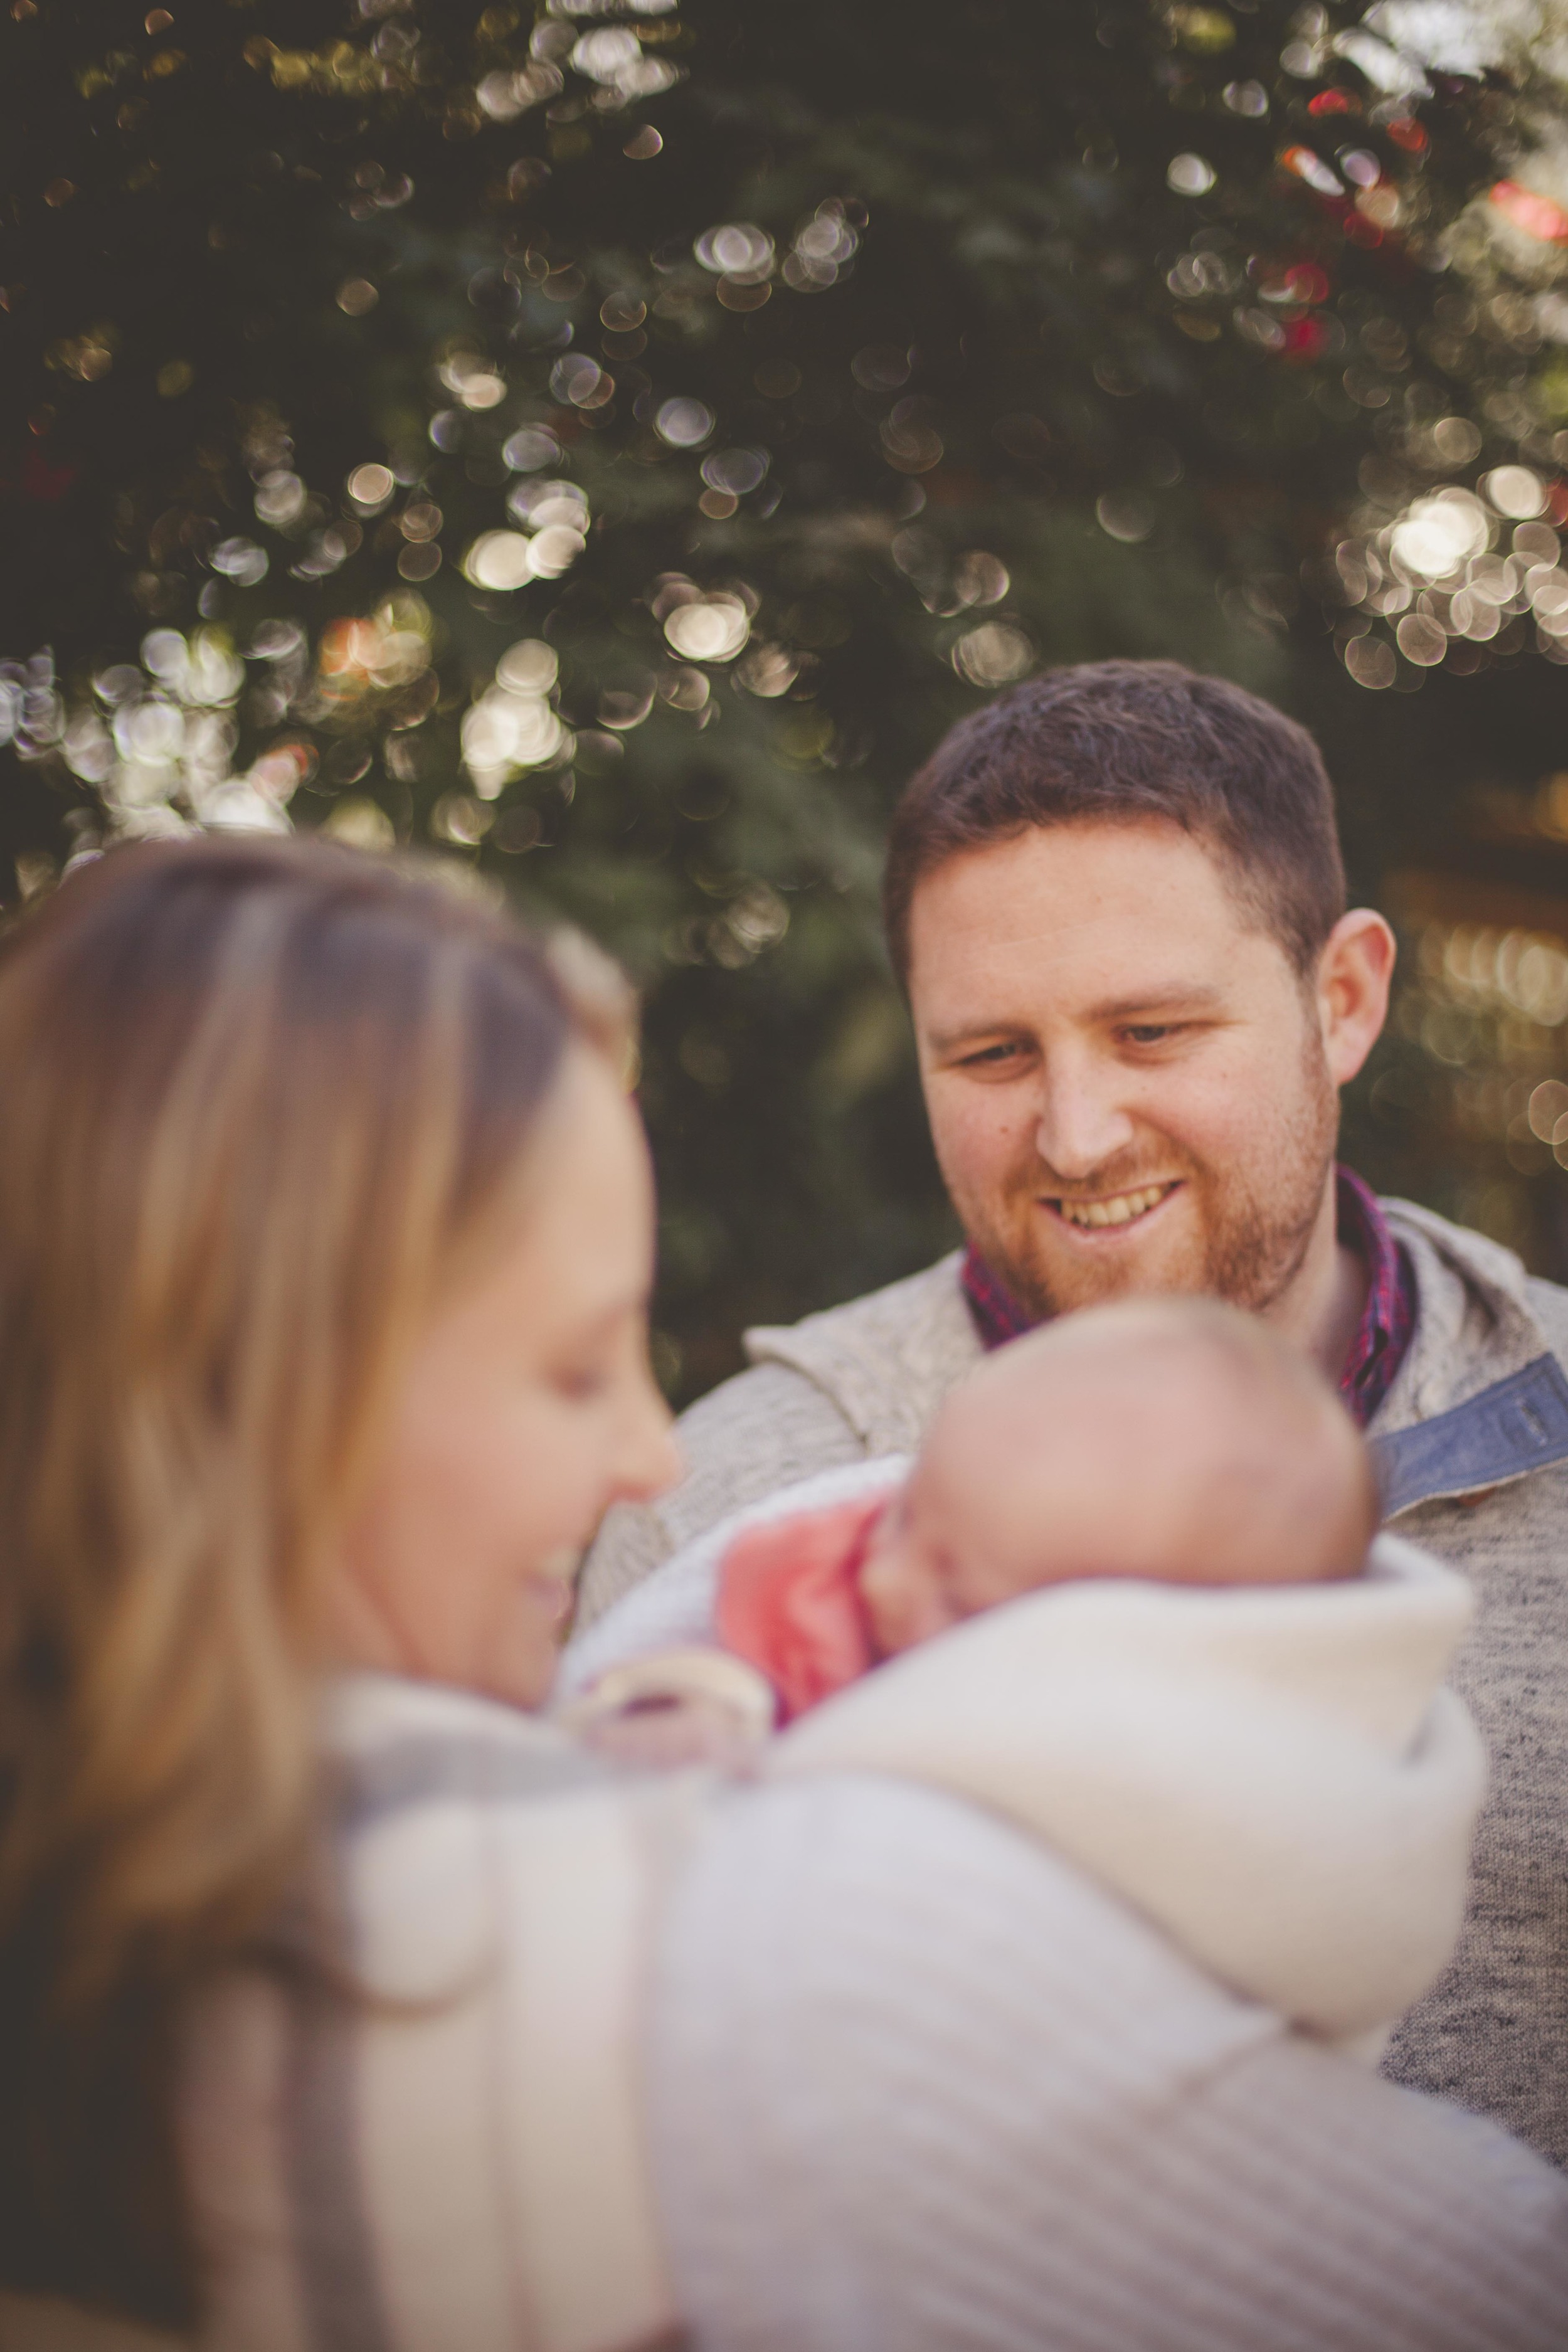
[255,1096]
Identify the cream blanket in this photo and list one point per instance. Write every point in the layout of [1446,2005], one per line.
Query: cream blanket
[1273,1774]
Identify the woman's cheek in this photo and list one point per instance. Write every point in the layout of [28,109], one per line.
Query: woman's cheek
[562,1491]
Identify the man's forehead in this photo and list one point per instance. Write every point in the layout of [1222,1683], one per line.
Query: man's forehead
[1111,855]
[1110,911]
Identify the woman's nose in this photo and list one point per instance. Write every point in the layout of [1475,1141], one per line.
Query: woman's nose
[652,1462]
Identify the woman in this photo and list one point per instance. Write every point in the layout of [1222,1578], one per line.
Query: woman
[325,1240]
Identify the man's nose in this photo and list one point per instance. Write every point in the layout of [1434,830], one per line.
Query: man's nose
[1081,1122]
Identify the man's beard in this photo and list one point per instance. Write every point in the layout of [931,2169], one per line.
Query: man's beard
[1250,1245]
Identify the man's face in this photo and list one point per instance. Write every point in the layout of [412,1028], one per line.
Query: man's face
[1126,1078]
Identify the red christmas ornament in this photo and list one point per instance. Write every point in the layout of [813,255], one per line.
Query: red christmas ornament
[1537,215]
[1311,167]
[1333,101]
[1407,133]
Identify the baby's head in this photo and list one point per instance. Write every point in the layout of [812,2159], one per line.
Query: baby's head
[1172,1439]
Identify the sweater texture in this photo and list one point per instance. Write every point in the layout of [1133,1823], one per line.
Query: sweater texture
[836,2065]
[917,2086]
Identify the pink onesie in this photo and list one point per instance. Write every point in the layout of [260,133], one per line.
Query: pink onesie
[789,1601]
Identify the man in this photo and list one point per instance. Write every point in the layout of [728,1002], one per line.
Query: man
[1116,899]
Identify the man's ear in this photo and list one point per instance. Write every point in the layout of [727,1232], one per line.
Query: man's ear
[1353,981]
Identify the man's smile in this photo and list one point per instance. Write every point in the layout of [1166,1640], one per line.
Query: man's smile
[1111,1209]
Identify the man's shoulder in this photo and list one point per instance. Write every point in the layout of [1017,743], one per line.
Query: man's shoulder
[1549,1305]
[1466,1250]
[1480,1398]
[894,1304]
[1479,1315]
[1495,1264]
[886,1360]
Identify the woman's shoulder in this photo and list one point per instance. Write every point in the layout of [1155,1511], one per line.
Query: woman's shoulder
[452,2106]
[443,1808]
[394,1746]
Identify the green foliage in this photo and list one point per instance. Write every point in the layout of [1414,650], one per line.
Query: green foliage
[307,306]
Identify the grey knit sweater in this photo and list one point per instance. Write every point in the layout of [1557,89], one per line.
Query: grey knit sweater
[916,2087]
[908,2084]
[1474,1438]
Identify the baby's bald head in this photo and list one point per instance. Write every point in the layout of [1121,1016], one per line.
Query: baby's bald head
[1172,1439]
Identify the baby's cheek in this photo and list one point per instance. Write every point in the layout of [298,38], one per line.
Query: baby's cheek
[933,1609]
[1007,1574]
[891,1599]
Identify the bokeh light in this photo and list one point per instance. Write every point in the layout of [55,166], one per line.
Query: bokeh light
[499,558]
[684,424]
[708,628]
[1190,176]
[613,443]
[993,655]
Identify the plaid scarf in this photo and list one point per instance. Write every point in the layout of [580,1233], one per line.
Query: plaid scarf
[1383,1335]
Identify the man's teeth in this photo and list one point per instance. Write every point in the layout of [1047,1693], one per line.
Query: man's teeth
[1118,1210]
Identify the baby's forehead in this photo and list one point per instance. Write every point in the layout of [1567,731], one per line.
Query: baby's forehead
[1091,1390]
[995,1430]
[1070,1365]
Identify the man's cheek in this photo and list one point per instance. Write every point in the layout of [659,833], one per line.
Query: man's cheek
[1224,1092]
[977,1143]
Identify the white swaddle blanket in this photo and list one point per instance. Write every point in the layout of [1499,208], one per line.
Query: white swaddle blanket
[1272,1773]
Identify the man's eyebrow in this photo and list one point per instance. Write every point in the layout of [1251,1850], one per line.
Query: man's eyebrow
[1193,998]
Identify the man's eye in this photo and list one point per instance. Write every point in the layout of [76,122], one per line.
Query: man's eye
[1150,1032]
[990,1055]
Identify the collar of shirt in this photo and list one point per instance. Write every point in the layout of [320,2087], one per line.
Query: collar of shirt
[1382,1336]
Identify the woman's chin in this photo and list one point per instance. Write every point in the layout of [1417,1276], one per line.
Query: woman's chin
[519,1666]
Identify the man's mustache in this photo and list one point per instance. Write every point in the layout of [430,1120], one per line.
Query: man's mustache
[1107,1183]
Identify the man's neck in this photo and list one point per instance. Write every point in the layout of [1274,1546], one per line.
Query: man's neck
[1321,1308]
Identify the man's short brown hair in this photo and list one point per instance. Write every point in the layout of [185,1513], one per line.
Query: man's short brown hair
[1128,741]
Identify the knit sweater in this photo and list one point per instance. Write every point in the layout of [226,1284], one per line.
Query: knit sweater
[836,2065]
[1473,1444]
[916,2086]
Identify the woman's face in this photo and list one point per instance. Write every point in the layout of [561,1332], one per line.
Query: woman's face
[527,1410]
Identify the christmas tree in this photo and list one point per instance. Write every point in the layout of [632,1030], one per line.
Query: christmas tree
[606,447]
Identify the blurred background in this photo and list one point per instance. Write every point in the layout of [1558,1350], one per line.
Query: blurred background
[606,443]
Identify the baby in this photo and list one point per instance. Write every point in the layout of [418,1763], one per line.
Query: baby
[1173,1440]
[1174,1652]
